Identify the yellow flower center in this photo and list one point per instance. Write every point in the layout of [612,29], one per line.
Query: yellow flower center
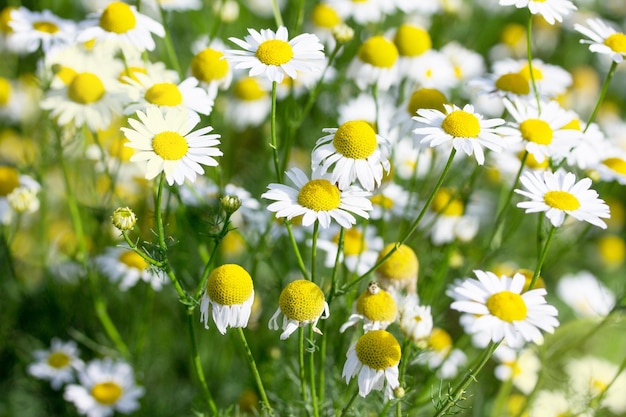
[612,249]
[325,16]
[164,94]
[461,124]
[440,340]
[426,98]
[525,72]
[5,91]
[355,139]
[378,349]
[528,275]
[131,72]
[573,124]
[532,163]
[119,151]
[274,52]
[5,18]
[107,393]
[58,360]
[301,300]
[616,164]
[617,42]
[383,201]
[229,285]
[378,52]
[249,89]
[208,65]
[400,265]
[507,306]
[9,180]
[132,260]
[85,88]
[377,307]
[118,18]
[47,27]
[353,242]
[512,34]
[561,200]
[233,244]
[445,203]
[412,41]
[536,130]
[319,195]
[170,146]
[514,83]
[65,74]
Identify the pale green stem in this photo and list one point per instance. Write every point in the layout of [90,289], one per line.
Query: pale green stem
[273,144]
[542,258]
[296,250]
[316,412]
[277,16]
[255,372]
[316,227]
[530,60]
[207,268]
[169,46]
[303,389]
[345,410]
[140,252]
[605,88]
[197,363]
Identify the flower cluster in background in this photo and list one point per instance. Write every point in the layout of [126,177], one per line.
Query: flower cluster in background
[317,208]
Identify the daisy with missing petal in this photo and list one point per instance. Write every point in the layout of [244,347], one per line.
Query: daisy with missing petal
[317,199]
[105,387]
[166,143]
[603,39]
[274,55]
[301,302]
[56,364]
[124,267]
[465,129]
[503,310]
[124,24]
[558,194]
[354,152]
[374,358]
[551,10]
[229,293]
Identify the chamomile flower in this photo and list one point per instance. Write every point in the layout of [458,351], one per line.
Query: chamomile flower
[353,151]
[551,80]
[557,404]
[412,42]
[611,165]
[434,70]
[551,10]
[591,377]
[467,130]
[122,23]
[415,321]
[440,355]
[376,307]
[57,364]
[585,294]
[374,359]
[31,30]
[503,310]
[273,54]
[324,18]
[209,66]
[376,63]
[558,194]
[166,143]
[18,194]
[317,199]
[450,220]
[106,386]
[399,270]
[124,267]
[229,293]
[603,39]
[360,249]
[377,112]
[521,368]
[391,201]
[250,103]
[362,12]
[301,302]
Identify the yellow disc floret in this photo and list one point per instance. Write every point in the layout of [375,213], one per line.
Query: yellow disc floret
[319,195]
[447,204]
[274,52]
[378,349]
[461,124]
[118,18]
[377,306]
[107,393]
[5,91]
[440,340]
[170,146]
[46,27]
[325,16]
[85,88]
[612,249]
[302,301]
[133,260]
[412,41]
[353,242]
[426,98]
[208,65]
[378,52]
[507,306]
[537,131]
[514,83]
[355,139]
[401,265]
[615,164]
[561,200]
[164,94]
[58,360]
[617,42]
[249,89]
[229,285]
[5,19]
[9,180]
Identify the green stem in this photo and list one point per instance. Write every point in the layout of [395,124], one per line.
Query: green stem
[140,252]
[542,258]
[303,389]
[277,16]
[207,268]
[255,372]
[333,278]
[296,250]
[344,411]
[605,88]
[197,364]
[316,227]
[169,46]
[530,61]
[273,144]
[312,377]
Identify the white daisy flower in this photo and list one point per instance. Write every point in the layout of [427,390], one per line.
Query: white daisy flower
[449,220]
[378,113]
[416,322]
[362,12]
[611,165]
[603,39]
[546,132]
[374,359]
[434,70]
[391,201]
[209,66]
[441,356]
[57,364]
[466,130]
[172,5]
[467,64]
[124,24]
[591,377]
[229,293]
[105,387]
[376,63]
[585,294]
[558,194]
[166,143]
[317,199]
[301,302]
[31,30]
[274,55]
[551,81]
[249,104]
[557,404]
[354,152]
[124,267]
[522,368]
[375,307]
[551,10]
[18,194]
[503,310]
[360,249]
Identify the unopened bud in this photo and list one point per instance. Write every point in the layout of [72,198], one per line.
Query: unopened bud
[230,203]
[343,33]
[124,219]
[398,392]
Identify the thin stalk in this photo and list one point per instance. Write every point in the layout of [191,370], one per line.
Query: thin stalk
[605,88]
[344,411]
[303,389]
[530,60]
[197,364]
[273,143]
[316,412]
[278,18]
[296,250]
[169,46]
[316,227]
[255,372]
[207,268]
[542,257]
